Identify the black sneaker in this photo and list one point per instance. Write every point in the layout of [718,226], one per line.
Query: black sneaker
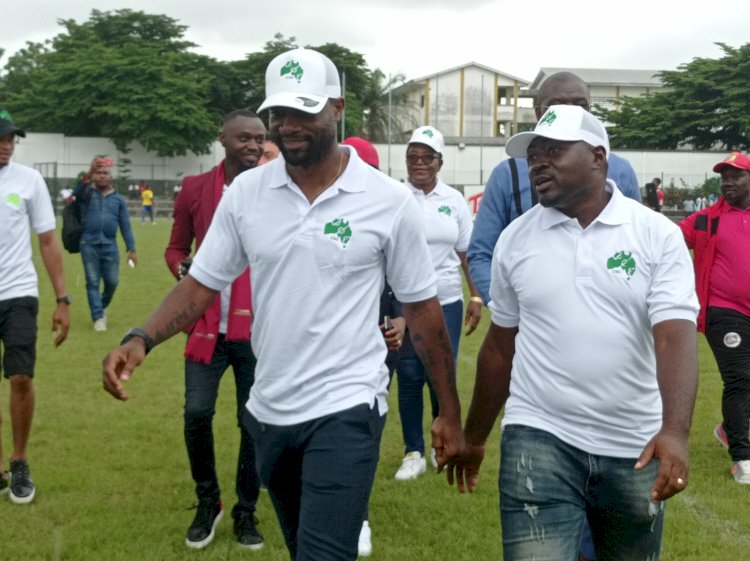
[22,488]
[201,531]
[246,532]
[4,482]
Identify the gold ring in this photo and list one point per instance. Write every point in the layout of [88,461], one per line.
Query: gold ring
[680,481]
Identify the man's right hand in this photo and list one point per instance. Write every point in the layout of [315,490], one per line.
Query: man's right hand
[464,470]
[118,366]
[447,440]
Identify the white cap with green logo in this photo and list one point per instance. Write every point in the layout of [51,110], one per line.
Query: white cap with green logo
[301,79]
[429,136]
[568,123]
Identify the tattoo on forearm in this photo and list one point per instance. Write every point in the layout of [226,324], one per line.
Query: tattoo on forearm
[436,357]
[177,323]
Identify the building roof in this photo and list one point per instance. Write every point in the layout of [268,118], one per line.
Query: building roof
[476,65]
[604,77]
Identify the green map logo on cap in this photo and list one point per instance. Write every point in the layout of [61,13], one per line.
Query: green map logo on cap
[338,229]
[548,119]
[445,209]
[622,261]
[4,115]
[293,69]
[428,132]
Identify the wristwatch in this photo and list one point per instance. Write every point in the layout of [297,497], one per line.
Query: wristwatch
[64,300]
[138,332]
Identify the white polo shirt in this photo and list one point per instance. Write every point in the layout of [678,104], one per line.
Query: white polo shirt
[317,272]
[24,204]
[584,302]
[448,226]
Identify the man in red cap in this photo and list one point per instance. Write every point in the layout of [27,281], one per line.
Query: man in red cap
[720,239]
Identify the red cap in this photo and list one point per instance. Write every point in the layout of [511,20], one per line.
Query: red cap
[365,150]
[736,160]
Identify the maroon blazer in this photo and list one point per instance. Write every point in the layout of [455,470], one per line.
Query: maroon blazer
[194,209]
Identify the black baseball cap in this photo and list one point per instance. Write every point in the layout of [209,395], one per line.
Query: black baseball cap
[7,126]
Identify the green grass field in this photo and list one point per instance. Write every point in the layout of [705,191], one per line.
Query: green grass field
[114,484]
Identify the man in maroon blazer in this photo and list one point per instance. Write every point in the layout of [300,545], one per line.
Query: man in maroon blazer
[219,339]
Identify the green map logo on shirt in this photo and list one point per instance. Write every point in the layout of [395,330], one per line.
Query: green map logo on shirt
[622,261]
[14,200]
[445,209]
[338,229]
[548,118]
[293,69]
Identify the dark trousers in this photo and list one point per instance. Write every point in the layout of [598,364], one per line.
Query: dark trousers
[728,334]
[201,390]
[319,475]
[412,377]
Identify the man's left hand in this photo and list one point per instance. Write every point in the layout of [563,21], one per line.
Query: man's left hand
[60,323]
[473,316]
[671,451]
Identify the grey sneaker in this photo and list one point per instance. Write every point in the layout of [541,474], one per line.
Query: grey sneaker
[22,488]
[741,472]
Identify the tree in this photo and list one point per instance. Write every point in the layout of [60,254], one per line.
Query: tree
[704,105]
[124,75]
[379,109]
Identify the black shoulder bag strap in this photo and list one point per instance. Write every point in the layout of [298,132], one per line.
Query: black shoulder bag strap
[516,186]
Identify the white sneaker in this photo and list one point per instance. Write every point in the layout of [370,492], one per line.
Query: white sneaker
[741,472]
[412,466]
[100,324]
[433,458]
[364,547]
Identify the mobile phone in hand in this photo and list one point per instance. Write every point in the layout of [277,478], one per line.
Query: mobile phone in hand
[387,323]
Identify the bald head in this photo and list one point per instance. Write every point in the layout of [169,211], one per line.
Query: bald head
[562,88]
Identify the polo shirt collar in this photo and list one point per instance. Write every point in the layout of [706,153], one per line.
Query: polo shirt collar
[351,179]
[613,214]
[440,189]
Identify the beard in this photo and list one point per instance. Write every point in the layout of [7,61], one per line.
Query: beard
[318,148]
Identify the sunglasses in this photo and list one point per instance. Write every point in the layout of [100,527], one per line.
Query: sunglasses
[424,158]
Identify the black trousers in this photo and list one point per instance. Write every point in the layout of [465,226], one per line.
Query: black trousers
[201,391]
[728,334]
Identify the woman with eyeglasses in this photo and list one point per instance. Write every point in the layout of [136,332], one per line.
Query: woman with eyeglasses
[448,226]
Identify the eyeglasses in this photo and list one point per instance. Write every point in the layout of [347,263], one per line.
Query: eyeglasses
[424,158]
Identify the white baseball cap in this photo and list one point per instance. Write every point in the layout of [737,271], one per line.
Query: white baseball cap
[302,79]
[569,123]
[430,136]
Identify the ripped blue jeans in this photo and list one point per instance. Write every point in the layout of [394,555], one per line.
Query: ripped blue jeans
[548,488]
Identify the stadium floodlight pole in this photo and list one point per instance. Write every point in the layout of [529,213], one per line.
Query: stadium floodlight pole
[343,113]
[481,134]
[390,108]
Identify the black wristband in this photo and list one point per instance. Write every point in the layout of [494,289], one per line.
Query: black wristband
[138,332]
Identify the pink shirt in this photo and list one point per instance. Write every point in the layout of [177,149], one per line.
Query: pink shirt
[729,285]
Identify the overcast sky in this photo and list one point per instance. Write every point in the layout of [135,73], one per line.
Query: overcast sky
[419,37]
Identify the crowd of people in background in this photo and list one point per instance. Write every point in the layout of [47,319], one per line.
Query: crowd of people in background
[296,241]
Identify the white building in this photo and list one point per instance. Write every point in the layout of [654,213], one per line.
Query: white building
[473,103]
[468,103]
[607,85]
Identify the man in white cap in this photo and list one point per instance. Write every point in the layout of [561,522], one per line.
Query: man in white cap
[320,230]
[592,352]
